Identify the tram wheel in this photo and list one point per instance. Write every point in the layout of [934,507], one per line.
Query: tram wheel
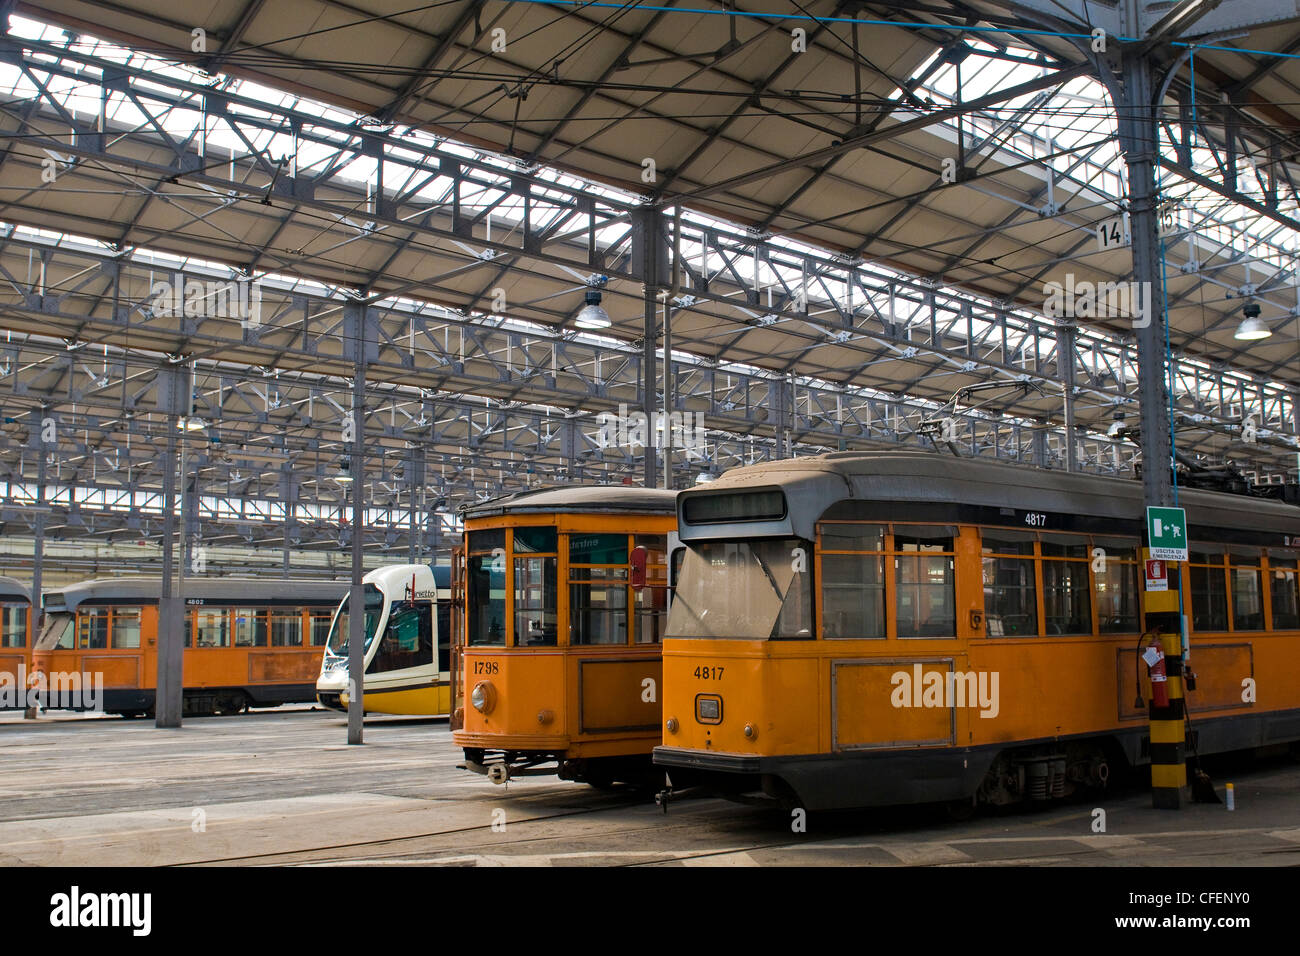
[229,706]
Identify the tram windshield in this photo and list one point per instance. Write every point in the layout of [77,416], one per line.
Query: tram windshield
[58,633]
[340,629]
[744,589]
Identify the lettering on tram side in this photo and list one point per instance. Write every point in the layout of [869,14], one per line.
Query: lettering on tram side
[952,689]
[498,820]
[76,909]
[1098,820]
[55,690]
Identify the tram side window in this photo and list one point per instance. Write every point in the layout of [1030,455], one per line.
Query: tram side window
[286,627]
[321,618]
[126,627]
[92,628]
[13,625]
[598,592]
[652,600]
[1247,589]
[250,627]
[1209,588]
[212,627]
[407,640]
[1284,583]
[1118,610]
[598,605]
[1010,590]
[925,581]
[535,602]
[853,580]
[486,592]
[1067,590]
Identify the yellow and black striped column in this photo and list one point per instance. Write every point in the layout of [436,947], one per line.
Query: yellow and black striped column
[1165,724]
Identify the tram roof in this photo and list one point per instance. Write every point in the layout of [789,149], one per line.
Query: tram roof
[578,498]
[146,590]
[12,588]
[814,483]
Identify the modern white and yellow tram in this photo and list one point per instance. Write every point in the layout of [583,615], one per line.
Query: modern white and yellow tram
[408,668]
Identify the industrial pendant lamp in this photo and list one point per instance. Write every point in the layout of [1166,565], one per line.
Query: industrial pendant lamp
[592,315]
[1252,326]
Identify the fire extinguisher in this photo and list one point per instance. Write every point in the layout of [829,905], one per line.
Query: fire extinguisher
[1155,661]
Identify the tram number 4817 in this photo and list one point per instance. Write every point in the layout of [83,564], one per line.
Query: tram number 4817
[709,673]
[1035,519]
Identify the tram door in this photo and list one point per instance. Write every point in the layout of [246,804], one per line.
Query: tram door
[457,719]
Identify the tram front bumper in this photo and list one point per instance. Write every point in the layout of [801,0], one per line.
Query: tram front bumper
[697,760]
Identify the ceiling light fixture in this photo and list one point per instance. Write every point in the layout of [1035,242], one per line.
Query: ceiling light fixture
[592,315]
[1252,327]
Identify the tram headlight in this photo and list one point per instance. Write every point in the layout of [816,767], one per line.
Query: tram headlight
[483,697]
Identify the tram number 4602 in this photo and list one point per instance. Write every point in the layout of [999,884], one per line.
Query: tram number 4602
[1035,519]
[709,673]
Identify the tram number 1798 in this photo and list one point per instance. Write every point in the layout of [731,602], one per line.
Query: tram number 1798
[709,673]
[485,667]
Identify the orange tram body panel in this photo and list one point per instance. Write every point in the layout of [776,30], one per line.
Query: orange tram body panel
[861,629]
[564,597]
[248,642]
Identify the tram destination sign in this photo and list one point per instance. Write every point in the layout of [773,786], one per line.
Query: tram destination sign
[1167,533]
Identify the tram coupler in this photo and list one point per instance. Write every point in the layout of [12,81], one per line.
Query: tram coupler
[670,793]
[661,799]
[496,772]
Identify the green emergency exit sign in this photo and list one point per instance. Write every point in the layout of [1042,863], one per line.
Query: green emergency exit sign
[1167,533]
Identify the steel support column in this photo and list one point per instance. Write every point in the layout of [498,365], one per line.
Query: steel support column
[355,323]
[649,231]
[1065,366]
[1138,141]
[38,542]
[169,696]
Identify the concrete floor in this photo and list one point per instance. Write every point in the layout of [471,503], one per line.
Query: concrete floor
[282,787]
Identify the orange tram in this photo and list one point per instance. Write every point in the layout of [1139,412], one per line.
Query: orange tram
[861,629]
[248,642]
[15,645]
[564,597]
